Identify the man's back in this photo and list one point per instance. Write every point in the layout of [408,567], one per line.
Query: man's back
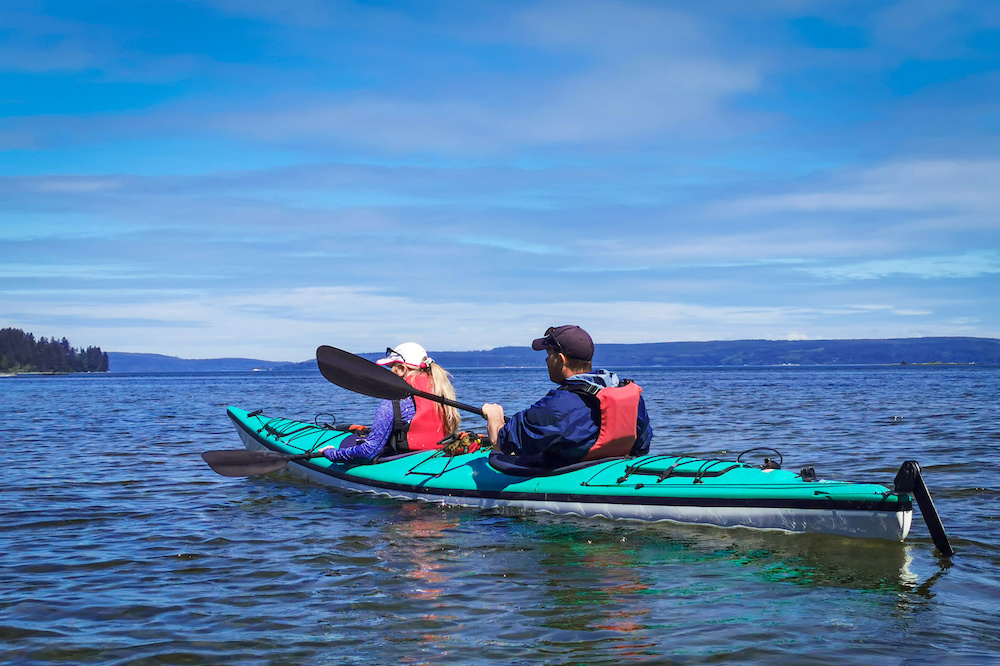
[563,427]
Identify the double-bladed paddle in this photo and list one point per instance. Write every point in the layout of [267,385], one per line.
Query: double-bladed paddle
[348,371]
[360,375]
[251,463]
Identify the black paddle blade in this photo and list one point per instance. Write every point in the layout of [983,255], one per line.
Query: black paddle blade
[249,463]
[909,479]
[361,375]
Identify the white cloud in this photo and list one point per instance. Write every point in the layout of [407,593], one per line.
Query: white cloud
[72,271]
[34,43]
[637,73]
[300,12]
[703,246]
[971,187]
[968,265]
[81,184]
[512,244]
[289,324]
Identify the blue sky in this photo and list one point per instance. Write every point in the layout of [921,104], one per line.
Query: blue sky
[251,178]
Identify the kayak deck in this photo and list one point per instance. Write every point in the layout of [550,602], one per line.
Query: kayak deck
[650,488]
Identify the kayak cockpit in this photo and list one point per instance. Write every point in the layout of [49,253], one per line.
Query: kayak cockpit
[512,466]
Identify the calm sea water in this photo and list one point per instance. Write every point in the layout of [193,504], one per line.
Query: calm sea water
[118,545]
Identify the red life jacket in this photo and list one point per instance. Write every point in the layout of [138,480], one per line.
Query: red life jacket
[426,429]
[619,418]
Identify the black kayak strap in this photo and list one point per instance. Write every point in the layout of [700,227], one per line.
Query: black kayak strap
[672,472]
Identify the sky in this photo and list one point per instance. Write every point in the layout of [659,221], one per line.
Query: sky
[249,178]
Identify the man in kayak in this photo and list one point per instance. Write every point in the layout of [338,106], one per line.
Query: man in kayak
[590,415]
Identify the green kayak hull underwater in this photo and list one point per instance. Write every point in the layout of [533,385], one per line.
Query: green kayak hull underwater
[650,488]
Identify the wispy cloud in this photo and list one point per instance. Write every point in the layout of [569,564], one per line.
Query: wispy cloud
[638,73]
[289,324]
[95,271]
[922,186]
[202,177]
[515,244]
[969,265]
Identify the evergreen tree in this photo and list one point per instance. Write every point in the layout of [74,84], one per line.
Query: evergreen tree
[93,360]
[19,352]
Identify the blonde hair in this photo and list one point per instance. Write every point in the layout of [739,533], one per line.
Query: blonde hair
[441,381]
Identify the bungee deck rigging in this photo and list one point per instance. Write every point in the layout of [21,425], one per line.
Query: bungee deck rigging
[328,434]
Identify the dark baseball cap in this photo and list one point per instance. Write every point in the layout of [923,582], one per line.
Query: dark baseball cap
[570,340]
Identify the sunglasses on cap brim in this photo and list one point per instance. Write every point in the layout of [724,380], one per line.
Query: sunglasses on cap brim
[551,341]
[395,357]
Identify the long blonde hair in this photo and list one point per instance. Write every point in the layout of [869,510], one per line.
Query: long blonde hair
[441,381]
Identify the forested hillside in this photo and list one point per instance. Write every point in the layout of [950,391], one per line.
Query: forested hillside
[899,351]
[984,351]
[20,352]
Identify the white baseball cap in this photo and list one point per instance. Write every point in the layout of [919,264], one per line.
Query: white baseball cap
[408,353]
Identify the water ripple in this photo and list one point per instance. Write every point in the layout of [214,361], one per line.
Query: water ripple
[119,546]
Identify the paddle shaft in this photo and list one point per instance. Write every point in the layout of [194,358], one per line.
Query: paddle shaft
[360,375]
[450,403]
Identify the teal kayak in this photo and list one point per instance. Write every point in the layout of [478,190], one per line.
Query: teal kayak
[649,488]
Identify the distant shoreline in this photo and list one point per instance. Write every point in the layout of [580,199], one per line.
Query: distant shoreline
[618,368]
[49,373]
[727,353]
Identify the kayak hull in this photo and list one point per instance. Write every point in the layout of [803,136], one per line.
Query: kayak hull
[651,488]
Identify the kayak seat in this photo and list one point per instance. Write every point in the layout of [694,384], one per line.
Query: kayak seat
[512,465]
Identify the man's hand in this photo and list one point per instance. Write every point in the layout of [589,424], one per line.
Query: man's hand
[494,420]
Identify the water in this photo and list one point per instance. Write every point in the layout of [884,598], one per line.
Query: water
[118,545]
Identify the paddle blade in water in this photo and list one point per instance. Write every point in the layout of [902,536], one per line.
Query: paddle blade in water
[361,375]
[246,463]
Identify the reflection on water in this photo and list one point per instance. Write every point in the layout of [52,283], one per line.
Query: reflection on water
[605,593]
[417,536]
[416,548]
[578,585]
[800,559]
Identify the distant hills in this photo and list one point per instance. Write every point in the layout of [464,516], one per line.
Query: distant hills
[130,362]
[894,351]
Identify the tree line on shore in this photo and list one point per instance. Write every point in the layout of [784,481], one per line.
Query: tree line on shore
[20,352]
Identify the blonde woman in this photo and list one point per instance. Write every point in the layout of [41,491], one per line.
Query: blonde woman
[411,424]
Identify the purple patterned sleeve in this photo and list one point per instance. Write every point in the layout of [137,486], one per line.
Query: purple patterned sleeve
[379,435]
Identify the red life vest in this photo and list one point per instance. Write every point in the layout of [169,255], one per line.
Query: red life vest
[427,428]
[619,419]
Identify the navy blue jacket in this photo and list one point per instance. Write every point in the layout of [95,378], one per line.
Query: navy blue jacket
[561,428]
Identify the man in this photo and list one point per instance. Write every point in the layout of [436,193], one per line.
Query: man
[591,415]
